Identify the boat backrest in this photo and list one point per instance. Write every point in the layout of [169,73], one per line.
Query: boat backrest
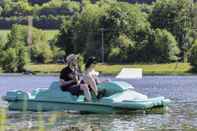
[54,93]
[113,87]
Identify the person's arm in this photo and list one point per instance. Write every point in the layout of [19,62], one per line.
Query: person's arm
[66,83]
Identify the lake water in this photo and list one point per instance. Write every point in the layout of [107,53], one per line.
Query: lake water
[181,115]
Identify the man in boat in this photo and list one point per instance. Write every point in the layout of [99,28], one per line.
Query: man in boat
[69,78]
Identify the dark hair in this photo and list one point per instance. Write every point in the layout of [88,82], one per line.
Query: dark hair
[90,61]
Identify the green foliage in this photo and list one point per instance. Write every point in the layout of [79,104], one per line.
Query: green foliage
[122,47]
[16,52]
[18,7]
[58,54]
[114,54]
[14,59]
[175,16]
[165,47]
[131,32]
[194,16]
[124,23]
[80,35]
[193,56]
[128,36]
[120,21]
[41,52]
[2,46]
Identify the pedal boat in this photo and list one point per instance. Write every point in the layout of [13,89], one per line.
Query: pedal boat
[119,96]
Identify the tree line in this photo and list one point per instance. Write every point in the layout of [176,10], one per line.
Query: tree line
[158,33]
[52,12]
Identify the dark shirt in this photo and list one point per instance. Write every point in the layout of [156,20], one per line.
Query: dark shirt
[67,75]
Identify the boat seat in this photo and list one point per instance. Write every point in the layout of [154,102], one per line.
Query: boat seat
[54,93]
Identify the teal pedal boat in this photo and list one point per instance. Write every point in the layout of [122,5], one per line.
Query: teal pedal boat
[119,96]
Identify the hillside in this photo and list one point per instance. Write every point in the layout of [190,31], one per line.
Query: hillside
[47,14]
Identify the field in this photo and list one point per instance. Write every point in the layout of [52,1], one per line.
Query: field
[50,33]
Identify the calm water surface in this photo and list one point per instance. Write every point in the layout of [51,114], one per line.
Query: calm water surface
[181,115]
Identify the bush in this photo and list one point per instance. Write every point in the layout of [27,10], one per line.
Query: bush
[58,55]
[9,61]
[14,59]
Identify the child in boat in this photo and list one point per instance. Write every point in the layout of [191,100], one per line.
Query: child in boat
[69,79]
[90,76]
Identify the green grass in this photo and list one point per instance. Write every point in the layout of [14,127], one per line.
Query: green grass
[148,69]
[50,33]
[151,69]
[45,68]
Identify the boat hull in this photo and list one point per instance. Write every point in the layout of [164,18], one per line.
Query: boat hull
[33,105]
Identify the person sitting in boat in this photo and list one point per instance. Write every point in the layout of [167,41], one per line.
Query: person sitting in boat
[90,77]
[69,79]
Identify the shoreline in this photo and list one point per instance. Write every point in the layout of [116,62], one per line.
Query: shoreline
[112,75]
[170,69]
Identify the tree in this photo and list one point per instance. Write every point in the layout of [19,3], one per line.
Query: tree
[121,49]
[15,59]
[193,56]
[2,46]
[174,16]
[40,51]
[194,16]
[9,61]
[127,21]
[15,54]
[81,33]
[164,47]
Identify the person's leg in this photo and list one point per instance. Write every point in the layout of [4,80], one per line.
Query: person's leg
[92,84]
[86,91]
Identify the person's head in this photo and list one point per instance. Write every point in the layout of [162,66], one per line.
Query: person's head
[91,62]
[72,60]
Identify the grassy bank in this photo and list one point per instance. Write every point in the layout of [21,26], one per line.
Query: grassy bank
[148,69]
[49,33]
